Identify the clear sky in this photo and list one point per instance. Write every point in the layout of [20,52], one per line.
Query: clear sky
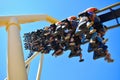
[62,68]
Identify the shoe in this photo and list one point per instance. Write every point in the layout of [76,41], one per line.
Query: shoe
[89,24]
[58,52]
[40,48]
[71,55]
[92,41]
[92,31]
[110,60]
[90,51]
[81,60]
[72,44]
[55,33]
[67,37]
[105,40]
[64,26]
[46,34]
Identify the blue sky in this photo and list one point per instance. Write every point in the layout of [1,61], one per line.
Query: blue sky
[62,68]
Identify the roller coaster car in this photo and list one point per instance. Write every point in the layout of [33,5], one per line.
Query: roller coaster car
[83,14]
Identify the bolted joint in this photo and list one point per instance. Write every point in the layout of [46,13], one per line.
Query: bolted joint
[13,22]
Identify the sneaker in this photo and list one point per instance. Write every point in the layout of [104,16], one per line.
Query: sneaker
[110,60]
[72,44]
[92,41]
[105,40]
[55,33]
[90,51]
[40,48]
[71,55]
[58,52]
[92,31]
[46,34]
[89,24]
[67,37]
[81,60]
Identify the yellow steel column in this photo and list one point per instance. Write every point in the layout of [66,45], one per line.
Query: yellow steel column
[16,64]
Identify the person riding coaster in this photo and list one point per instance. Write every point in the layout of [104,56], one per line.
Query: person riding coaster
[86,22]
[85,28]
[100,48]
[75,52]
[69,34]
[102,52]
[74,46]
[56,46]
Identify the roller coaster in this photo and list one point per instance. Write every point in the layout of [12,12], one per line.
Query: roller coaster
[59,36]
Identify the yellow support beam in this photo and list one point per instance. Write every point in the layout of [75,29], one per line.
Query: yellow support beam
[23,19]
[51,19]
